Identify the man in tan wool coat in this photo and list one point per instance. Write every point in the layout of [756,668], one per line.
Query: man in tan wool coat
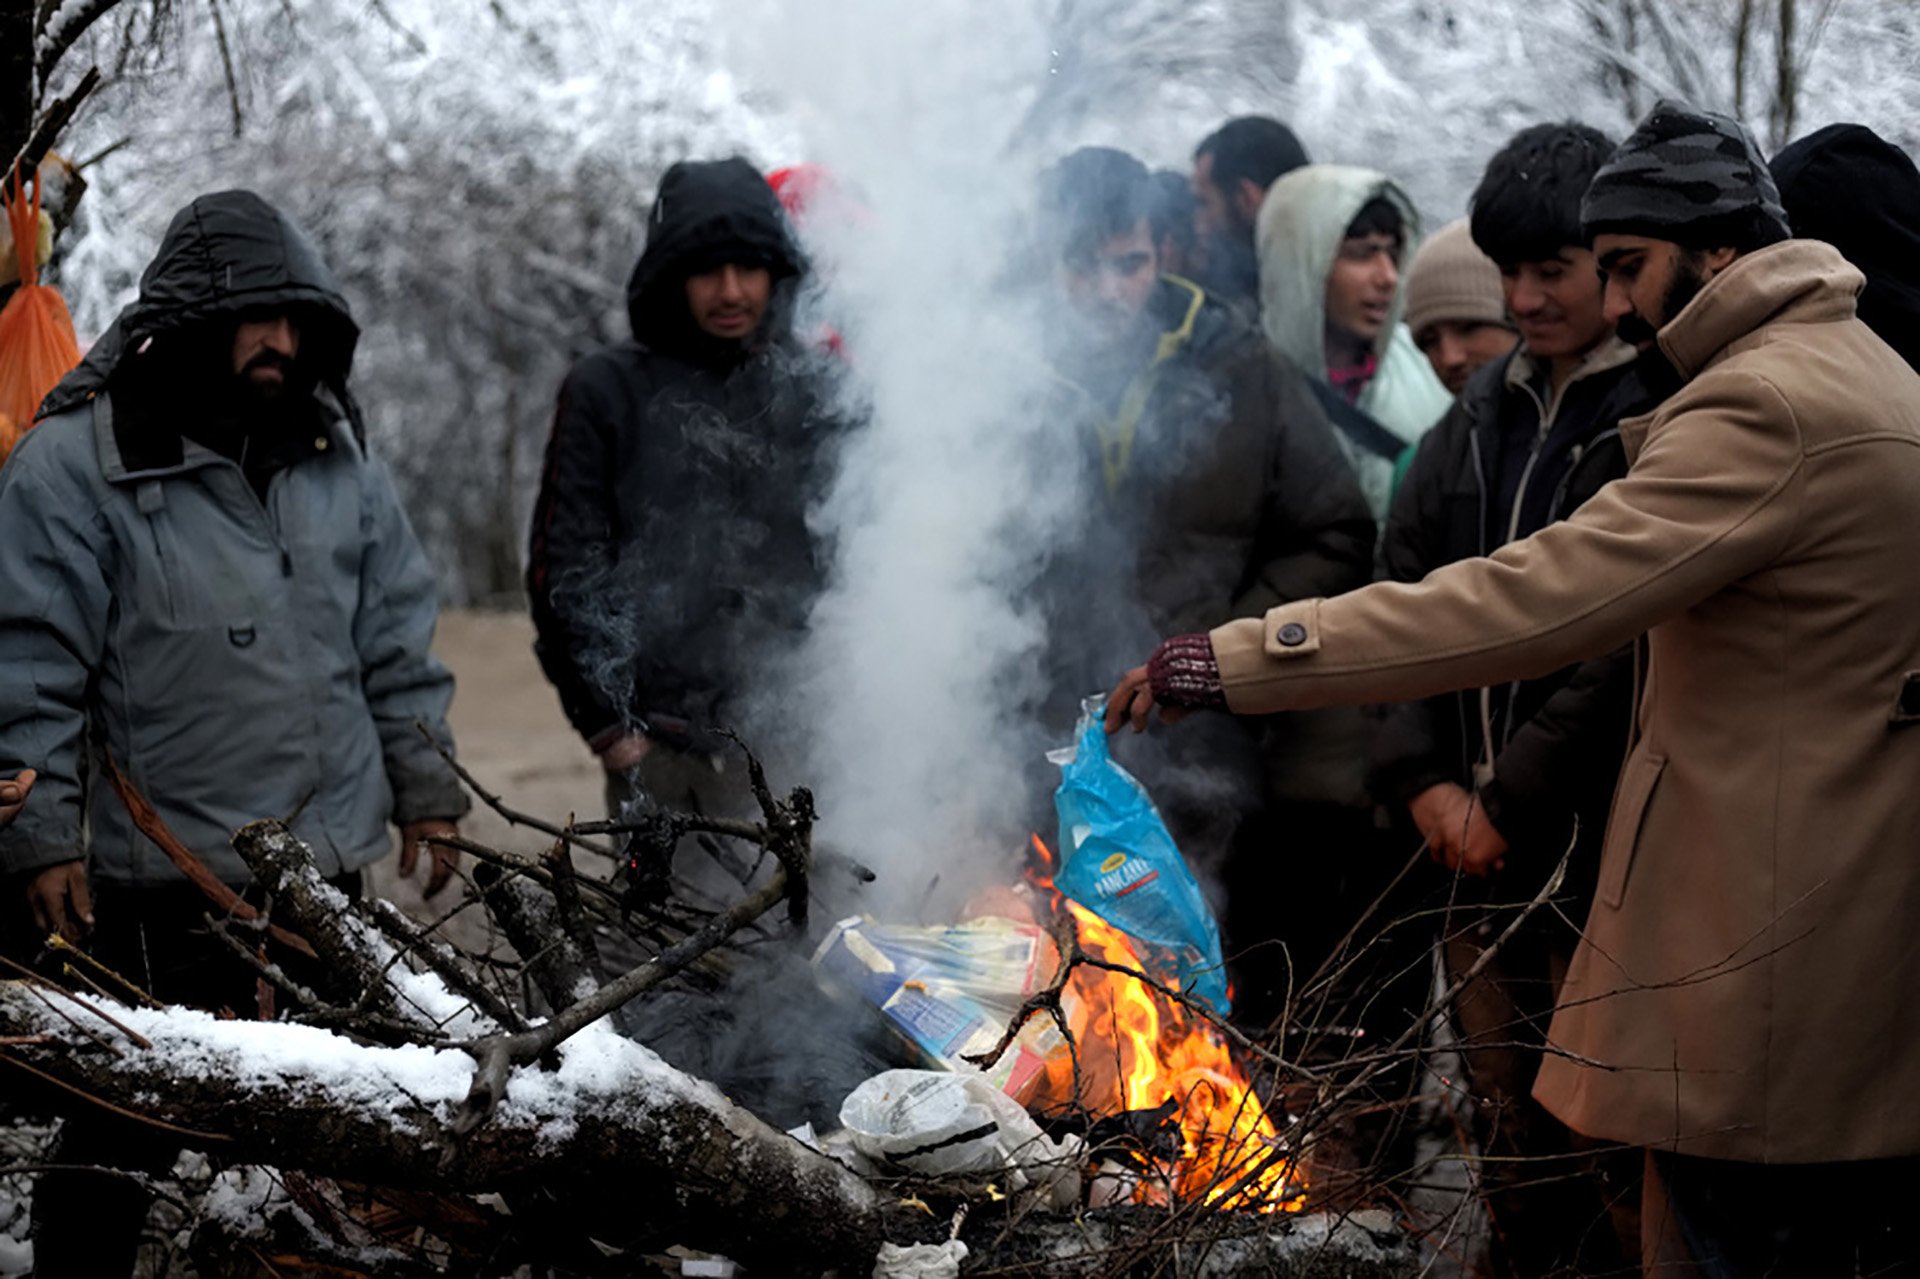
[1742,1003]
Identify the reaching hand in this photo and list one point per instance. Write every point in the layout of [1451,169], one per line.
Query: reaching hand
[445,859]
[1458,833]
[1440,814]
[626,752]
[1130,702]
[13,795]
[1485,849]
[60,900]
[1182,675]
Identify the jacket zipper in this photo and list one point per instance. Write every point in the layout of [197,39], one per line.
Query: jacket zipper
[1480,479]
[1547,414]
[266,520]
[260,507]
[1578,456]
[1469,759]
[1582,453]
[1483,771]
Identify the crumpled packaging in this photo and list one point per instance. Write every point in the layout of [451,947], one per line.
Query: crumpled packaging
[920,1261]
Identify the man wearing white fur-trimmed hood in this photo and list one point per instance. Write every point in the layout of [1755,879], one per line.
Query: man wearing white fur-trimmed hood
[1334,242]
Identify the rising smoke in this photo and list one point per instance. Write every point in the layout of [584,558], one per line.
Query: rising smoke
[910,693]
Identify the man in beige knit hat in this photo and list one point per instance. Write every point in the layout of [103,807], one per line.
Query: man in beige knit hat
[1455,306]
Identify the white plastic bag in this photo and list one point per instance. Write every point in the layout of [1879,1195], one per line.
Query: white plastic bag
[920,1261]
[937,1124]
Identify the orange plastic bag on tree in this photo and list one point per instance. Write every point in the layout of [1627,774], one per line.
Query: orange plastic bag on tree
[37,343]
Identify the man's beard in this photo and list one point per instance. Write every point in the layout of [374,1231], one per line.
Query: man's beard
[259,393]
[1689,277]
[1232,261]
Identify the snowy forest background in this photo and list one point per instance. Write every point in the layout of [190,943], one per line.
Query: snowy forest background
[478,173]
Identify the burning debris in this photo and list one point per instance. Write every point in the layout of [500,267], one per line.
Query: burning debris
[1140,1072]
[416,1088]
[1151,1052]
[1123,1057]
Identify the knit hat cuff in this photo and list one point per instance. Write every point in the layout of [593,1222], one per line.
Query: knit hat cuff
[1460,305]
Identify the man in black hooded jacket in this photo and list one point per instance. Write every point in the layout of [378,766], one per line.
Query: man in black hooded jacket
[669,543]
[1852,188]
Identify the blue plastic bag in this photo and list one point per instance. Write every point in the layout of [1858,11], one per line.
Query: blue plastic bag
[1118,860]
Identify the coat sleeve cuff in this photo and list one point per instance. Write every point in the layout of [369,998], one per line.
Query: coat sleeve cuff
[1183,672]
[1248,651]
[423,798]
[24,854]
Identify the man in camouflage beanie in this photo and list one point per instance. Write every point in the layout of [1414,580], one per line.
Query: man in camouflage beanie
[1695,181]
[1684,173]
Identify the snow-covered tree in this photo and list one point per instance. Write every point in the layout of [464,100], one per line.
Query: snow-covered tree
[479,174]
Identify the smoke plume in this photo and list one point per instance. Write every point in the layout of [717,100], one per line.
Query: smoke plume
[908,693]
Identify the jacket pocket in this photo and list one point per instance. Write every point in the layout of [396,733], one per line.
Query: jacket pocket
[1638,781]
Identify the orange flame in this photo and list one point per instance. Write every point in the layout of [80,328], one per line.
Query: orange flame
[1139,1050]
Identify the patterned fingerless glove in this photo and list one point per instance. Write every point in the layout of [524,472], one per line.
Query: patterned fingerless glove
[1184,672]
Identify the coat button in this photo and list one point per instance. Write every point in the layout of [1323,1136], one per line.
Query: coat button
[1293,635]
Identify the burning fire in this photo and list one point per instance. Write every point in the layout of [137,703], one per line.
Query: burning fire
[1139,1051]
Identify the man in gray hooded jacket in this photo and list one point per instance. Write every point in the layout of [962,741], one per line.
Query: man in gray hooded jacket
[209,584]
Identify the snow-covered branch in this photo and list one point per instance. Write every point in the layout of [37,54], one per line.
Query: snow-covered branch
[610,1118]
[59,30]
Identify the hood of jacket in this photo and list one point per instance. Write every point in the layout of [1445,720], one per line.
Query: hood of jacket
[707,213]
[223,256]
[1302,222]
[1851,188]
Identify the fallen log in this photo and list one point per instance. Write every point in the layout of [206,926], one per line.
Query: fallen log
[612,1125]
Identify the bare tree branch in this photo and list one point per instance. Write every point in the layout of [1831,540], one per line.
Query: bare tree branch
[58,33]
[47,131]
[147,820]
[498,1055]
[226,66]
[493,801]
[440,960]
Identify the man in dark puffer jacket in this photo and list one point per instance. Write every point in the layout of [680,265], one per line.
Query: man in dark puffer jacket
[669,541]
